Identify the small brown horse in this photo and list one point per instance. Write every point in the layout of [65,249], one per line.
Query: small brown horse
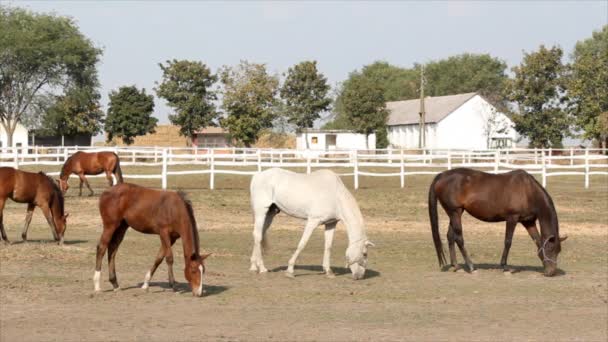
[94,163]
[512,197]
[35,189]
[165,213]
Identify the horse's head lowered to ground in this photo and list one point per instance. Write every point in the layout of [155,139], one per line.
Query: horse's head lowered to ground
[548,253]
[356,257]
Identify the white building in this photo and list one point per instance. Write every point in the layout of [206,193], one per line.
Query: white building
[463,121]
[334,140]
[19,137]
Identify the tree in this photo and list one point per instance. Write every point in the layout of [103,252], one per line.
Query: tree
[249,101]
[39,53]
[186,85]
[364,106]
[130,114]
[305,92]
[496,124]
[466,73]
[538,90]
[76,112]
[588,86]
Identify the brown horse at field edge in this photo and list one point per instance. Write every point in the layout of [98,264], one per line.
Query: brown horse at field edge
[82,163]
[35,189]
[512,197]
[165,213]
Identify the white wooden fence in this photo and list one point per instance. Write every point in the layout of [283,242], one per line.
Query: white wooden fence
[356,163]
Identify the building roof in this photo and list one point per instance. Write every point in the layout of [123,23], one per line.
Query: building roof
[437,108]
[212,130]
[332,131]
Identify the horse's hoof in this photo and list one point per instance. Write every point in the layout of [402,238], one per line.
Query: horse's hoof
[145,287]
[116,289]
[263,270]
[24,237]
[6,242]
[330,275]
[474,272]
[289,275]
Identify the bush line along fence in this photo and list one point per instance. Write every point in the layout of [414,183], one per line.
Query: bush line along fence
[217,161]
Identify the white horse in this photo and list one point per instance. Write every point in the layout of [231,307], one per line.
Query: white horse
[320,198]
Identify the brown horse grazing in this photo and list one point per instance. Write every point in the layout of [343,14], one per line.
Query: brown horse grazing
[168,214]
[82,163]
[512,197]
[35,189]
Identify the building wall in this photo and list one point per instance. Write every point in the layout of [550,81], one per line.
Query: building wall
[462,129]
[19,137]
[344,141]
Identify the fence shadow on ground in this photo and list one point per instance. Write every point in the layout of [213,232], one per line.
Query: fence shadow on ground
[338,271]
[48,242]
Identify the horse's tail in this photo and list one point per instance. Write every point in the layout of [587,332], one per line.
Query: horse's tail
[118,170]
[435,222]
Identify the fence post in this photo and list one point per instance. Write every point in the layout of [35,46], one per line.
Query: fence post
[355,168]
[163,175]
[496,161]
[550,154]
[402,170]
[65,154]
[212,168]
[544,168]
[535,156]
[449,160]
[307,161]
[259,154]
[431,156]
[571,156]
[36,152]
[155,155]
[233,154]
[16,154]
[586,168]
[390,156]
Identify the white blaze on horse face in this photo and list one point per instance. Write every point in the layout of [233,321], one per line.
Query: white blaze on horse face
[96,279]
[200,286]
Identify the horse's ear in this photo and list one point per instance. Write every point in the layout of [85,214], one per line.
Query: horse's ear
[369,244]
[205,256]
[563,238]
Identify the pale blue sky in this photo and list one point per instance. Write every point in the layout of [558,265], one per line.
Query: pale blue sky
[341,36]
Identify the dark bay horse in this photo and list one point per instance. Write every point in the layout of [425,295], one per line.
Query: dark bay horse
[35,189]
[82,163]
[165,213]
[512,197]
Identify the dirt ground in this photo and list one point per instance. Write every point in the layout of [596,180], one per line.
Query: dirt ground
[46,291]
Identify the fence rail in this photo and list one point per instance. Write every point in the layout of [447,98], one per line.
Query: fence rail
[397,162]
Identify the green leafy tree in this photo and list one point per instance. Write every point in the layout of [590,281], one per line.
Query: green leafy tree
[40,53]
[76,112]
[466,73]
[364,106]
[249,101]
[187,87]
[130,114]
[305,92]
[588,86]
[538,90]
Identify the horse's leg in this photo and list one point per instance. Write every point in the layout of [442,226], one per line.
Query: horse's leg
[511,223]
[28,219]
[534,234]
[455,222]
[310,226]
[102,246]
[330,228]
[80,186]
[86,182]
[49,218]
[2,232]
[263,219]
[119,234]
[109,177]
[452,248]
[159,258]
[166,242]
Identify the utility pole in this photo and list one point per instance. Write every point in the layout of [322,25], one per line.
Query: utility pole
[421,127]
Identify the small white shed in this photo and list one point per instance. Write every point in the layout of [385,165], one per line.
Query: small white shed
[19,137]
[334,140]
[462,121]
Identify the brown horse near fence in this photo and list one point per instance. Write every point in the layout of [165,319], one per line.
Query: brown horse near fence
[512,197]
[35,189]
[82,163]
[165,213]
